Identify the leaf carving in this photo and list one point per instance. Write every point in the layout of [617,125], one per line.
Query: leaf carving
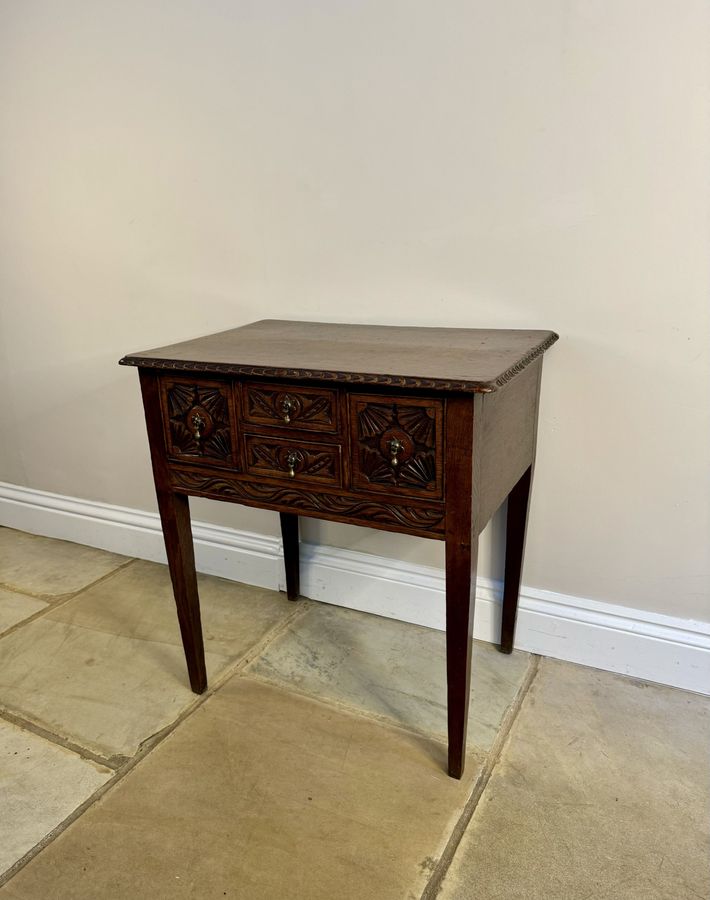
[272,458]
[265,404]
[264,454]
[321,407]
[262,402]
[422,519]
[318,463]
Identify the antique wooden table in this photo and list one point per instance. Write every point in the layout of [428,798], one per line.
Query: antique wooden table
[424,431]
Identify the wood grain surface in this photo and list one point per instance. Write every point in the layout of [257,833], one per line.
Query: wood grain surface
[437,359]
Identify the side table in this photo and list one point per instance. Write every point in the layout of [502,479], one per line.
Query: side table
[424,431]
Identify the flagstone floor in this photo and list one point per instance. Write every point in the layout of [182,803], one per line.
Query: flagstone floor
[314,766]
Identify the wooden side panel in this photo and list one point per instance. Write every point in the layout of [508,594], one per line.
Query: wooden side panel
[506,442]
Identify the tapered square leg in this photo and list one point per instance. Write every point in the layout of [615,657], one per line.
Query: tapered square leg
[461,558]
[518,501]
[462,463]
[175,517]
[289,536]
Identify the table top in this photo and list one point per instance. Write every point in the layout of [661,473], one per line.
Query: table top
[439,359]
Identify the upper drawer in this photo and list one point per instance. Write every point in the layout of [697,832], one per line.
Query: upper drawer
[300,408]
[199,421]
[397,445]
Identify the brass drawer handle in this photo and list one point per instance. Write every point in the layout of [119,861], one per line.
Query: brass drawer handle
[198,423]
[395,448]
[287,407]
[292,461]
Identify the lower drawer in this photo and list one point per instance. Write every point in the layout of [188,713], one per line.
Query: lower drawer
[293,461]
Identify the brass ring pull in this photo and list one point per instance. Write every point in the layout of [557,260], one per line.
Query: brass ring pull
[292,462]
[395,447]
[287,407]
[198,423]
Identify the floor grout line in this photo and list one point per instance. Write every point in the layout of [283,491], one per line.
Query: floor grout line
[228,672]
[302,605]
[150,743]
[341,706]
[109,762]
[71,818]
[446,858]
[49,598]
[59,601]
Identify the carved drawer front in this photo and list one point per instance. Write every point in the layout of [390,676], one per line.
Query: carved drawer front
[397,445]
[199,421]
[302,409]
[293,461]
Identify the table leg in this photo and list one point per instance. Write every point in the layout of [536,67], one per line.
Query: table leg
[461,495]
[174,511]
[461,559]
[514,548]
[175,517]
[289,536]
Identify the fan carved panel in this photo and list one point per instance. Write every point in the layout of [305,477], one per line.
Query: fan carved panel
[397,445]
[199,421]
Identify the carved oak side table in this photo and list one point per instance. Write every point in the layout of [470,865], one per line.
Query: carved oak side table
[424,431]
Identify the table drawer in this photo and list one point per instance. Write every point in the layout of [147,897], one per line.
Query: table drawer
[288,406]
[199,421]
[293,461]
[397,445]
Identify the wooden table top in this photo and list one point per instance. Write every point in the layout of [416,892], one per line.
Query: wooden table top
[439,359]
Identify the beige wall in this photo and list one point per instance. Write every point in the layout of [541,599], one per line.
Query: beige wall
[174,168]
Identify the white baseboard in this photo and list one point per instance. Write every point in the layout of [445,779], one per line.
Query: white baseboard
[635,642]
[238,555]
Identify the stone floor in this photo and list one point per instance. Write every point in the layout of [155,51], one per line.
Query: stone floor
[314,765]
